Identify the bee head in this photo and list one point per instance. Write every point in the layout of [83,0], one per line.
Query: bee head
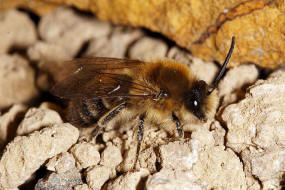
[195,99]
[200,99]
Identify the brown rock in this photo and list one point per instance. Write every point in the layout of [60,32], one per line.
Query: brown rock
[37,118]
[20,33]
[97,176]
[7,120]
[205,28]
[86,154]
[129,180]
[15,76]
[24,155]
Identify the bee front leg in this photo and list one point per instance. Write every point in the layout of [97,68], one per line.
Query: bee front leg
[108,117]
[178,125]
[140,138]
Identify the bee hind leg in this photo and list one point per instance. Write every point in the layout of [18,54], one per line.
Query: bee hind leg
[108,117]
[140,138]
[178,125]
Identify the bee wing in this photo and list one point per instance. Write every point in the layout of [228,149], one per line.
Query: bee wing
[104,78]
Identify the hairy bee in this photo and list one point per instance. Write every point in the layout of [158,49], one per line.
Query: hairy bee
[161,92]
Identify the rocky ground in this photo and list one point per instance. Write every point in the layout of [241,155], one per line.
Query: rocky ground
[242,148]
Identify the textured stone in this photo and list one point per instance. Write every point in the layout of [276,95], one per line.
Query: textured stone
[17,80]
[148,49]
[202,27]
[111,156]
[86,154]
[129,180]
[7,120]
[60,181]
[20,33]
[97,176]
[25,154]
[168,179]
[61,163]
[37,118]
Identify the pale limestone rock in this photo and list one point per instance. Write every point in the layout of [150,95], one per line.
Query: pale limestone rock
[25,154]
[218,168]
[7,120]
[179,155]
[48,52]
[259,119]
[82,187]
[148,49]
[147,159]
[111,156]
[70,31]
[85,154]
[36,119]
[257,164]
[60,181]
[21,32]
[61,163]
[17,80]
[218,133]
[230,87]
[114,45]
[168,179]
[97,176]
[129,181]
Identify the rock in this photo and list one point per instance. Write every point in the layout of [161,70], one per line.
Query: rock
[258,120]
[256,164]
[179,155]
[148,49]
[25,154]
[169,179]
[68,30]
[37,118]
[204,28]
[97,176]
[20,33]
[214,165]
[147,159]
[7,123]
[218,133]
[115,45]
[82,187]
[111,156]
[86,154]
[15,76]
[60,181]
[48,52]
[130,181]
[231,87]
[61,163]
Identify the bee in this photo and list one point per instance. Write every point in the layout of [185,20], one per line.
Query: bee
[163,92]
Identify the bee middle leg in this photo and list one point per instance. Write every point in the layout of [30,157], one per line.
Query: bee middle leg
[140,138]
[110,115]
[178,125]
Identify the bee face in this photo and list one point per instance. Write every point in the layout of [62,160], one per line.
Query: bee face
[195,99]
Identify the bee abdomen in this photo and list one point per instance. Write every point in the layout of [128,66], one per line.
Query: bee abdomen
[86,112]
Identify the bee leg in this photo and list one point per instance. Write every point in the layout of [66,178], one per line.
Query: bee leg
[140,138]
[178,125]
[110,115]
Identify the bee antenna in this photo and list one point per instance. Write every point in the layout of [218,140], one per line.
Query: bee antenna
[223,69]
